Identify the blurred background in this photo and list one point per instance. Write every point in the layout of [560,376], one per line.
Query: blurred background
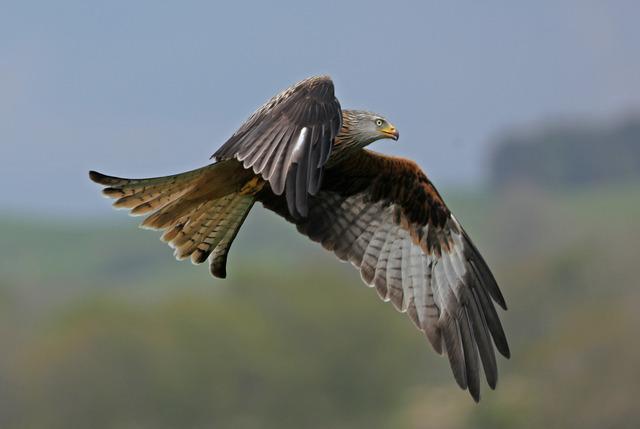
[527,117]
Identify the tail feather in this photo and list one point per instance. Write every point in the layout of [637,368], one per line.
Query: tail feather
[120,187]
[218,258]
[145,195]
[180,224]
[200,211]
[212,232]
[196,220]
[149,200]
[206,227]
[226,224]
[168,215]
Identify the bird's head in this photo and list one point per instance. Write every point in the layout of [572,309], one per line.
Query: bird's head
[367,127]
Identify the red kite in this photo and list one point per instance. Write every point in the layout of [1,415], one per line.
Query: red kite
[304,158]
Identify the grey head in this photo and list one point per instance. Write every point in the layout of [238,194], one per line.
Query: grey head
[366,127]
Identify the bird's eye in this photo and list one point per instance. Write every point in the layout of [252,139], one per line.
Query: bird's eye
[379,122]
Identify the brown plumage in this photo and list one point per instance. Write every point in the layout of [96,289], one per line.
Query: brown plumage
[303,157]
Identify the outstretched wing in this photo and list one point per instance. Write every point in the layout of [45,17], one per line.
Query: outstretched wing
[384,216]
[288,140]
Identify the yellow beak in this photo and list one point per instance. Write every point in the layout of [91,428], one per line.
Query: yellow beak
[390,132]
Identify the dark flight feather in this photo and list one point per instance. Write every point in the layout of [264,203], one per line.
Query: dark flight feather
[288,140]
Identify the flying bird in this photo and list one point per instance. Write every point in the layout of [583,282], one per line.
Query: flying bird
[304,158]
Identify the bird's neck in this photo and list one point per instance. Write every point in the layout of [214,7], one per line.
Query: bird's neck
[344,144]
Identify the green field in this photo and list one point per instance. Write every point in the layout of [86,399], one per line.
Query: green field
[101,328]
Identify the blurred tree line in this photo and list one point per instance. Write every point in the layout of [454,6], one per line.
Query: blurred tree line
[569,154]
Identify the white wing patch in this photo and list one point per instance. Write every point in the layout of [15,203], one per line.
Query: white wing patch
[300,142]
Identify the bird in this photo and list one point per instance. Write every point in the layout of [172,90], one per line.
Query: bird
[305,158]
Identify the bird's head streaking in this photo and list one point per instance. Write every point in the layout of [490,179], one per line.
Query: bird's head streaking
[363,128]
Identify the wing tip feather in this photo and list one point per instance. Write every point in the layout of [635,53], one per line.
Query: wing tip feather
[97,177]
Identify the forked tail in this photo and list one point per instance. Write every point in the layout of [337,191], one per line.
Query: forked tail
[200,211]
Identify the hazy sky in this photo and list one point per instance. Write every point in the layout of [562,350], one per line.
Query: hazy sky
[140,88]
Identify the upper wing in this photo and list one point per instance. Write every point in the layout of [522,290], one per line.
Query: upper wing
[289,139]
[384,216]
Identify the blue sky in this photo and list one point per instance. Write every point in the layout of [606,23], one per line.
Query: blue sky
[152,88]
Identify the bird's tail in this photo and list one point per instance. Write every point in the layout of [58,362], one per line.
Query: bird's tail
[200,211]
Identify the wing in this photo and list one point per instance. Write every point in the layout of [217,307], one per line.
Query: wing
[289,139]
[384,216]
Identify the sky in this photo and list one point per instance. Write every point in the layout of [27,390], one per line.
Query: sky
[148,88]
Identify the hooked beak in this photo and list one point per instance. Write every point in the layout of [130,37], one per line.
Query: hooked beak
[390,132]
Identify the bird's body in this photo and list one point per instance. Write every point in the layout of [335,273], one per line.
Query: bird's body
[304,158]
